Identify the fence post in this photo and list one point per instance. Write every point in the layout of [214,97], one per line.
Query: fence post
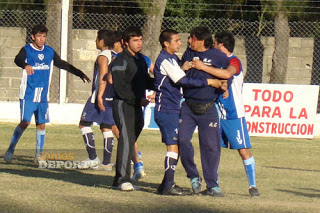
[64,49]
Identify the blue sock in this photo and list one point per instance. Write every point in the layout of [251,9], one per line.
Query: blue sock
[108,145]
[15,138]
[88,138]
[249,166]
[40,135]
[138,165]
[170,163]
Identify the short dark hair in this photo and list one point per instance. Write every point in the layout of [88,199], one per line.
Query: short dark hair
[166,35]
[39,28]
[107,36]
[227,39]
[131,32]
[203,34]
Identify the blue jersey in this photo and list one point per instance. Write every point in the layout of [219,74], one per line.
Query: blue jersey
[168,77]
[108,93]
[211,57]
[233,107]
[35,87]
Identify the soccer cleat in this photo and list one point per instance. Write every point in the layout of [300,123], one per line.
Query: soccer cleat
[138,174]
[175,190]
[253,191]
[196,184]
[214,191]
[87,163]
[126,186]
[102,167]
[160,189]
[8,156]
[38,159]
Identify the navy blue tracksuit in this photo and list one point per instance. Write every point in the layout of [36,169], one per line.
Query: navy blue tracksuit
[208,123]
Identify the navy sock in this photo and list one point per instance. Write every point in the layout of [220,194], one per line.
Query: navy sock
[88,138]
[108,145]
[15,138]
[170,164]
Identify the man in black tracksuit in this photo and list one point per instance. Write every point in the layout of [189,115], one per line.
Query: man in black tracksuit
[130,80]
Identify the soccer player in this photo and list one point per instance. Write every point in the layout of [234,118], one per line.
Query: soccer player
[168,79]
[36,60]
[232,122]
[99,105]
[198,110]
[130,80]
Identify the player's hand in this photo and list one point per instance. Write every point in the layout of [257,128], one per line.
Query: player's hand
[224,85]
[186,66]
[214,82]
[152,98]
[144,102]
[100,104]
[85,78]
[225,94]
[198,64]
[29,70]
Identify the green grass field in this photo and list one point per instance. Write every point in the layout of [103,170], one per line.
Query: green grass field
[287,173]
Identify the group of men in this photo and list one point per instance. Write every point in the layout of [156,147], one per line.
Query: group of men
[209,74]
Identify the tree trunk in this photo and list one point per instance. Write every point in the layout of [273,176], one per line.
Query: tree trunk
[152,28]
[281,51]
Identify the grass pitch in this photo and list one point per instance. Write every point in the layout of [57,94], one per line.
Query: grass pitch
[287,173]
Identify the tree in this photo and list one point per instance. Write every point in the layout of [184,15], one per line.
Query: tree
[278,72]
[154,10]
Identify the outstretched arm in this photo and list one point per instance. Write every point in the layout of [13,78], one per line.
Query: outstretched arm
[58,62]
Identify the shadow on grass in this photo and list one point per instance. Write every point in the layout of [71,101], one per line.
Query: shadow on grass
[314,194]
[24,166]
[295,169]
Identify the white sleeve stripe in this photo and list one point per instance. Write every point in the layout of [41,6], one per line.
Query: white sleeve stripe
[171,68]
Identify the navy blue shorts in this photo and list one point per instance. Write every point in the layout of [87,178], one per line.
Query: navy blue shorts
[168,124]
[39,110]
[91,113]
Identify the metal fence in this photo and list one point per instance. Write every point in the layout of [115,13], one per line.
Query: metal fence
[251,34]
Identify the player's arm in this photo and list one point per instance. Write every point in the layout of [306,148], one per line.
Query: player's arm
[58,62]
[103,69]
[217,72]
[20,61]
[178,76]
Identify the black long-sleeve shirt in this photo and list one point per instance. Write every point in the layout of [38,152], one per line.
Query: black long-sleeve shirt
[130,77]
[57,61]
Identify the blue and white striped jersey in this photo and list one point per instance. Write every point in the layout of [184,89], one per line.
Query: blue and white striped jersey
[233,107]
[35,87]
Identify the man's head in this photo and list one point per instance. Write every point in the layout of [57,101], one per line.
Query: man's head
[170,41]
[224,41]
[200,39]
[105,39]
[118,42]
[132,38]
[39,35]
